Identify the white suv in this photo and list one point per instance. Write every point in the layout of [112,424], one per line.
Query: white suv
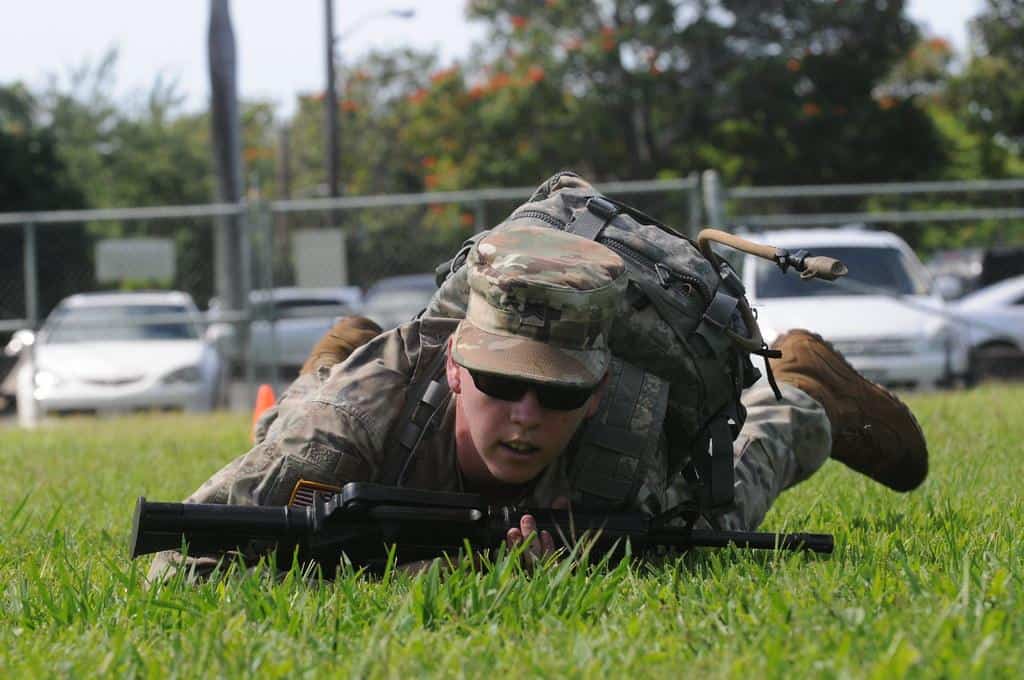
[881,316]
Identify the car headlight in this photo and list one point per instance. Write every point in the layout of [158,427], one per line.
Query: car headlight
[46,380]
[186,374]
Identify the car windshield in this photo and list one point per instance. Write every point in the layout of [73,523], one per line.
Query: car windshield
[877,269]
[116,323]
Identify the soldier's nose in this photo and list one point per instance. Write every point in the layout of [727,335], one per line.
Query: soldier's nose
[527,411]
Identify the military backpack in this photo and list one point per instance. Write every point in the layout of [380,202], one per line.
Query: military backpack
[674,345]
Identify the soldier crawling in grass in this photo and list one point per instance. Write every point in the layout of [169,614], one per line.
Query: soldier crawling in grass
[522,401]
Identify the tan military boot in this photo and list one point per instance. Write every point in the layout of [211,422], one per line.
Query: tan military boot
[873,432]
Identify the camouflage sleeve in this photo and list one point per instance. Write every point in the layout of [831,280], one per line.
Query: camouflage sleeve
[332,433]
[781,443]
[301,448]
[219,487]
[302,387]
[329,427]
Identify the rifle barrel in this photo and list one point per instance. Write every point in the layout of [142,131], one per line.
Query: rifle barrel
[754,540]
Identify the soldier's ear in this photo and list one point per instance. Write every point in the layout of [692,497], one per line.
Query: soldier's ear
[595,399]
[451,371]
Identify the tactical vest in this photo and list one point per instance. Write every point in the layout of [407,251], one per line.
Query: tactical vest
[671,333]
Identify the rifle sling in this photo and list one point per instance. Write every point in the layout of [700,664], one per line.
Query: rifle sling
[425,396]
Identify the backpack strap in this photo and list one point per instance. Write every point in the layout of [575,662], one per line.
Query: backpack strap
[590,221]
[608,465]
[711,468]
[428,391]
[716,319]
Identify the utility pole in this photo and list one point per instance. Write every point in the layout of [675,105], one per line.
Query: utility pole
[226,151]
[331,122]
[331,104]
[230,247]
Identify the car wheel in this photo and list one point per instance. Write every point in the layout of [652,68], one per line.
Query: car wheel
[997,360]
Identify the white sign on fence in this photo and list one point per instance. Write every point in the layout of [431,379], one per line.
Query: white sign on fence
[319,257]
[135,259]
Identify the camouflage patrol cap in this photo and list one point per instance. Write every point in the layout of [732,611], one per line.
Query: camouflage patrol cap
[541,304]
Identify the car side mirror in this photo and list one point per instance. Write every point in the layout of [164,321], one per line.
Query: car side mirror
[948,287]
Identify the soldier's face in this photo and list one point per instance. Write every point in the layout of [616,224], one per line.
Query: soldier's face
[513,439]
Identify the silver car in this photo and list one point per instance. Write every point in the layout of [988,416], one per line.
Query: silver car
[396,299]
[882,316]
[117,351]
[286,323]
[994,317]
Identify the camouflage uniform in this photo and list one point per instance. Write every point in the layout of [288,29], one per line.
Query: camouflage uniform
[540,307]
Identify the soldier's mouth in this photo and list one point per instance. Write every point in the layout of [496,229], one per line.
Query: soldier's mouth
[519,448]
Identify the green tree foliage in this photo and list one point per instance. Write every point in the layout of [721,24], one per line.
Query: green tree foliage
[974,108]
[766,91]
[145,150]
[374,155]
[33,177]
[125,152]
[770,92]
[990,93]
[380,115]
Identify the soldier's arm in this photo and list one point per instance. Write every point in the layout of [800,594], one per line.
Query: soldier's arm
[332,435]
[344,337]
[315,443]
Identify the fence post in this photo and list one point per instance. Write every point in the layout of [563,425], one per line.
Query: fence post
[243,222]
[263,218]
[479,216]
[714,201]
[31,276]
[28,414]
[695,205]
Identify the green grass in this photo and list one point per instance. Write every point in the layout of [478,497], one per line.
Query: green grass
[921,585]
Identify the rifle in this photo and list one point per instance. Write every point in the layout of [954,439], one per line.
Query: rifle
[363,520]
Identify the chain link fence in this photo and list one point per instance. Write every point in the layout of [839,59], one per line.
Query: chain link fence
[930,216]
[357,242]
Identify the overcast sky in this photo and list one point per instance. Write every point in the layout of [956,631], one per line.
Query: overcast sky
[280,43]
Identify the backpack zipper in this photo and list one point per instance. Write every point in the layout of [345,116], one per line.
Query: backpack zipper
[540,215]
[664,274]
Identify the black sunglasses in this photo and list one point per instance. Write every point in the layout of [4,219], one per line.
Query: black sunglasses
[555,398]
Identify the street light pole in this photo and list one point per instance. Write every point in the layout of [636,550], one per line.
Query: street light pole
[331,95]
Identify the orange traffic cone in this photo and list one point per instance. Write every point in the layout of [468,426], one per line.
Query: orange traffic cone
[264,400]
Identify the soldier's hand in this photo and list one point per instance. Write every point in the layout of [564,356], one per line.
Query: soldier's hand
[539,548]
[337,344]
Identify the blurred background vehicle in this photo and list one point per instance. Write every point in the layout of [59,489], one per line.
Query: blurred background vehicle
[114,352]
[996,328]
[300,316]
[881,316]
[8,361]
[963,271]
[396,299]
